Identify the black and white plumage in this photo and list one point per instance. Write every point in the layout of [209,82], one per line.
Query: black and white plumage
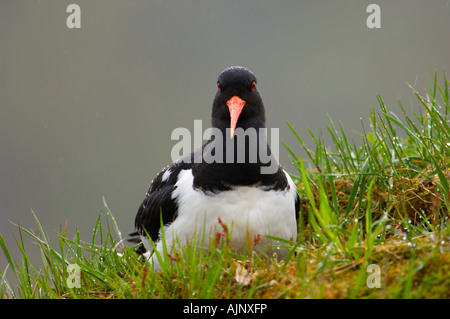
[190,195]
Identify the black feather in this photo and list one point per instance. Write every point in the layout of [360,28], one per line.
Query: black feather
[158,202]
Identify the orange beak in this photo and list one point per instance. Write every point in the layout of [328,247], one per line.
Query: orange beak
[235,105]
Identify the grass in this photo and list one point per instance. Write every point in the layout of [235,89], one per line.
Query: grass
[383,203]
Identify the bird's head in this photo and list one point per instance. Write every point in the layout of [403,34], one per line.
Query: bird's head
[237,100]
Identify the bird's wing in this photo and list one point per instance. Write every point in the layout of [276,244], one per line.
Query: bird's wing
[297,206]
[159,205]
[293,190]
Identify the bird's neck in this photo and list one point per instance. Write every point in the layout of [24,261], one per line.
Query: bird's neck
[240,161]
[247,144]
[253,122]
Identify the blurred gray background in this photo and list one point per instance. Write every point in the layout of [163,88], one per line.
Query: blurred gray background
[86,113]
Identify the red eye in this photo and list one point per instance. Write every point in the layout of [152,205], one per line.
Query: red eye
[253,85]
[218,86]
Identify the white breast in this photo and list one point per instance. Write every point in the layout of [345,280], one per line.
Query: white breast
[245,210]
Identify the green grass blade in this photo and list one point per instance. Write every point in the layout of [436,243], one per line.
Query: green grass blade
[7,255]
[116,226]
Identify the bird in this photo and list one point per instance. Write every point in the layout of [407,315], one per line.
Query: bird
[193,198]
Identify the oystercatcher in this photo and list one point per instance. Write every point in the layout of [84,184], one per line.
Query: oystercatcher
[194,196]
